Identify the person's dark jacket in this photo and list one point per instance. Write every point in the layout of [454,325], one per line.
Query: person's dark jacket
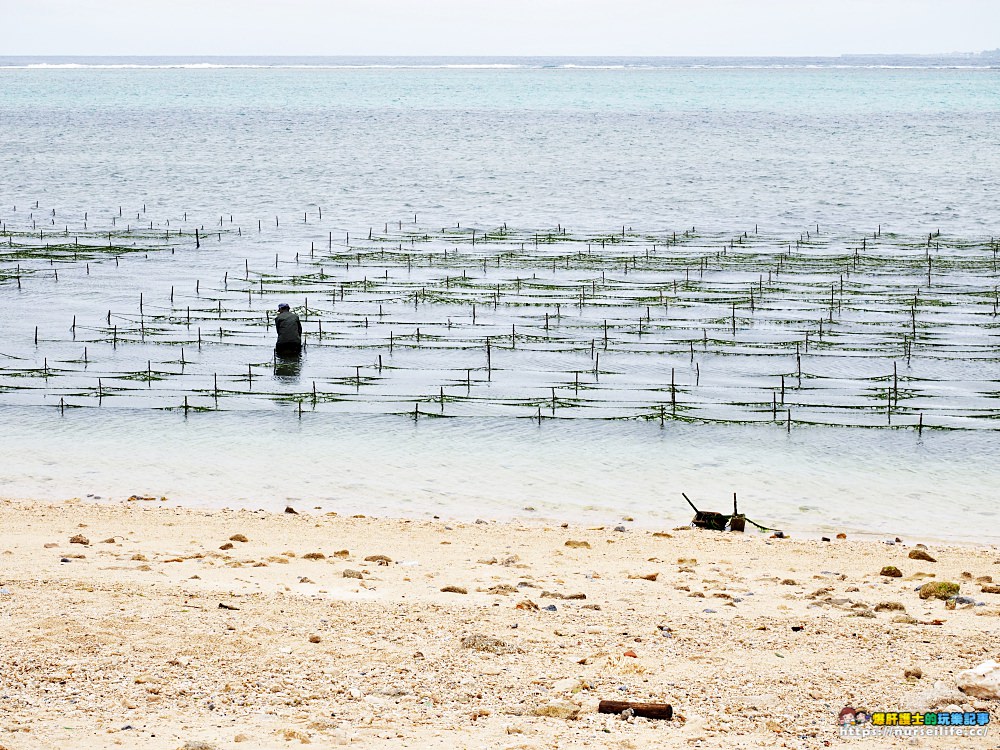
[289,329]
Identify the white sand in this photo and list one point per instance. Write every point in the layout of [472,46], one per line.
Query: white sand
[128,646]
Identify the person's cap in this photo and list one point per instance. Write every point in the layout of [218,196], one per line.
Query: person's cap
[283,306]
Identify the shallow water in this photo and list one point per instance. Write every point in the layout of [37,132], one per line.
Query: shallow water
[689,326]
[815,480]
[659,145]
[684,156]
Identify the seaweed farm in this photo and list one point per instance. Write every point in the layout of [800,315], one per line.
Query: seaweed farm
[874,329]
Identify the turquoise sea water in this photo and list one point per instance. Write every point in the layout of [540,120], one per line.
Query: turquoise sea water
[657,146]
[718,146]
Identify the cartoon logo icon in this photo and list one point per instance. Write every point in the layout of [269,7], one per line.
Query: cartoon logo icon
[846,717]
[861,716]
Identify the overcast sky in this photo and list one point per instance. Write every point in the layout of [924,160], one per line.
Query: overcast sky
[496,27]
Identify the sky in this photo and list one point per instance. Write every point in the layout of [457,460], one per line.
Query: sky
[497,27]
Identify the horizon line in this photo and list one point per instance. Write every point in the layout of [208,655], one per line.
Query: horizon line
[516,56]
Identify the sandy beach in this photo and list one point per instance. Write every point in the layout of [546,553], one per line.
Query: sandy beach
[165,627]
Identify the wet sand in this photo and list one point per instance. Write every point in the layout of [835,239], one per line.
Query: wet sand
[158,629]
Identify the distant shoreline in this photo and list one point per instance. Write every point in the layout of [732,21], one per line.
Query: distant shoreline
[971,60]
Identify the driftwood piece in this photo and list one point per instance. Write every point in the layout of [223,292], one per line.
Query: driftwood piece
[648,710]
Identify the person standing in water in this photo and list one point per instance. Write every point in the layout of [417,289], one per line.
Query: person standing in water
[289,328]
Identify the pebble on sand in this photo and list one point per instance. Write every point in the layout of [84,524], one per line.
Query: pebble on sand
[454,590]
[982,681]
[891,571]
[501,589]
[939,590]
[479,642]
[919,554]
[558,710]
[79,539]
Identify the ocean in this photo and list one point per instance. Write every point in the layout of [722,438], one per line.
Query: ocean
[825,223]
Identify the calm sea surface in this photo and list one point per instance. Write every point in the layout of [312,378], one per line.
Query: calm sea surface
[911,145]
